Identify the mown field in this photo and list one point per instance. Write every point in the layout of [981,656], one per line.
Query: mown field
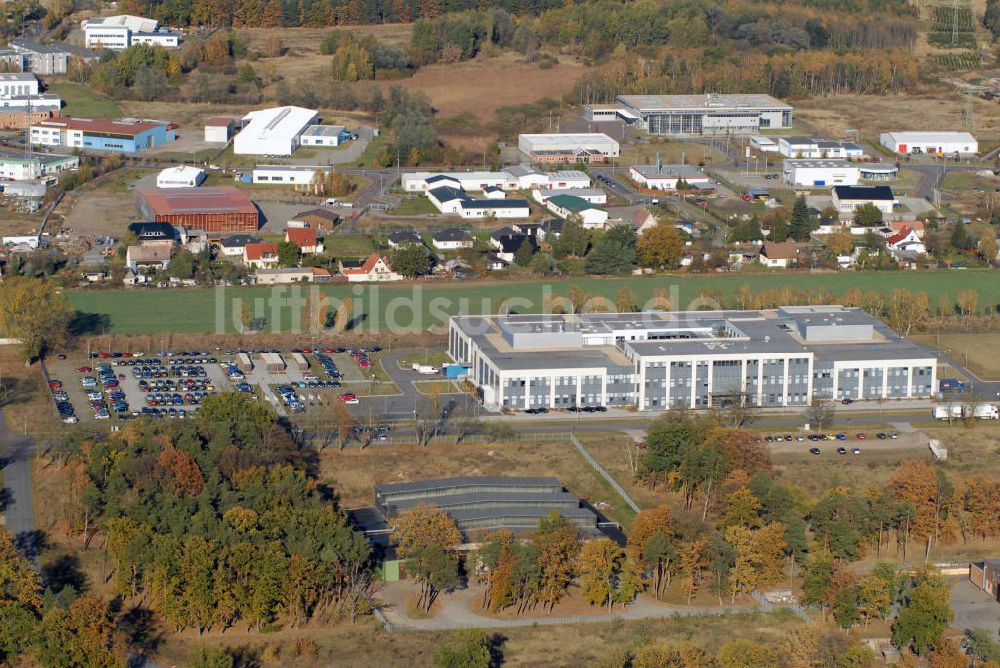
[84,102]
[418,305]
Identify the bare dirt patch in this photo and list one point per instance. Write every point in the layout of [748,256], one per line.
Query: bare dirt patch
[871,113]
[95,215]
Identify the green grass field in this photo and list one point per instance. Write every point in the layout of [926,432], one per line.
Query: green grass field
[348,245]
[419,306]
[85,102]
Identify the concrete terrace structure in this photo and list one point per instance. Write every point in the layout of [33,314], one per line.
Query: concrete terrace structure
[480,504]
[710,114]
[128,135]
[275,131]
[218,210]
[660,360]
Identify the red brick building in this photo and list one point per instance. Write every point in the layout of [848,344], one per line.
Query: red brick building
[986,576]
[223,209]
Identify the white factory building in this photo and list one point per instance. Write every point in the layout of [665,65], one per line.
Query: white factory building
[183,176]
[666,177]
[798,147]
[934,143]
[763,144]
[568,148]
[820,173]
[710,114]
[520,177]
[122,31]
[323,135]
[296,175]
[274,131]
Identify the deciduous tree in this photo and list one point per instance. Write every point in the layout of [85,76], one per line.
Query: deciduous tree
[36,312]
[607,576]
[660,246]
[424,525]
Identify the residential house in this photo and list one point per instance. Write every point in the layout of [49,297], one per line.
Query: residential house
[564,206]
[780,254]
[261,255]
[550,229]
[644,220]
[232,246]
[149,255]
[452,238]
[153,231]
[404,238]
[508,246]
[501,232]
[376,268]
[494,192]
[894,226]
[906,240]
[305,239]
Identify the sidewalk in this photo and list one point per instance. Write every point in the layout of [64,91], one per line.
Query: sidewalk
[457,611]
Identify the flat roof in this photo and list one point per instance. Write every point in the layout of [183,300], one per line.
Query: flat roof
[799,140]
[670,171]
[293,168]
[18,76]
[542,140]
[495,204]
[653,103]
[880,193]
[14,155]
[219,121]
[323,131]
[819,164]
[880,167]
[219,199]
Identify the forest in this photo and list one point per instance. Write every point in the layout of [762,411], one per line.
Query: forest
[211,523]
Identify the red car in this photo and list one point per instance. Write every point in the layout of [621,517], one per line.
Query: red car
[55,384]
[307,350]
[861,436]
[84,369]
[347,396]
[104,356]
[364,363]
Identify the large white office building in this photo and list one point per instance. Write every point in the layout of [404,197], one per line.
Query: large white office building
[122,31]
[568,148]
[273,132]
[711,114]
[664,360]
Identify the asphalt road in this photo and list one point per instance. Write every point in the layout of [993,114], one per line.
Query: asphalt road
[15,457]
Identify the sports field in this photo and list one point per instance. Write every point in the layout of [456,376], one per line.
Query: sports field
[418,305]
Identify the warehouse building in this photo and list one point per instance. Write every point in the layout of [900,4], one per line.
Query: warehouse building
[696,359]
[294,175]
[820,173]
[128,135]
[568,148]
[592,217]
[481,504]
[710,114]
[218,210]
[183,176]
[666,177]
[219,130]
[798,147]
[325,135]
[931,143]
[14,166]
[273,132]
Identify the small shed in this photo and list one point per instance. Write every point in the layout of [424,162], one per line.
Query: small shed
[273,362]
[219,130]
[300,361]
[244,363]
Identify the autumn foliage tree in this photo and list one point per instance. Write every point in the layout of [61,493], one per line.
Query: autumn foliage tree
[651,545]
[36,312]
[607,575]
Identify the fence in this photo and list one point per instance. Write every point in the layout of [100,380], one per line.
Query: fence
[603,472]
[330,439]
[768,606]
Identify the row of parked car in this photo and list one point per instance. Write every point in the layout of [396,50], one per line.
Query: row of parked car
[328,365]
[290,398]
[63,405]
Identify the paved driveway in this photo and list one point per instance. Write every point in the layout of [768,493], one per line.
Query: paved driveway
[15,500]
[973,608]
